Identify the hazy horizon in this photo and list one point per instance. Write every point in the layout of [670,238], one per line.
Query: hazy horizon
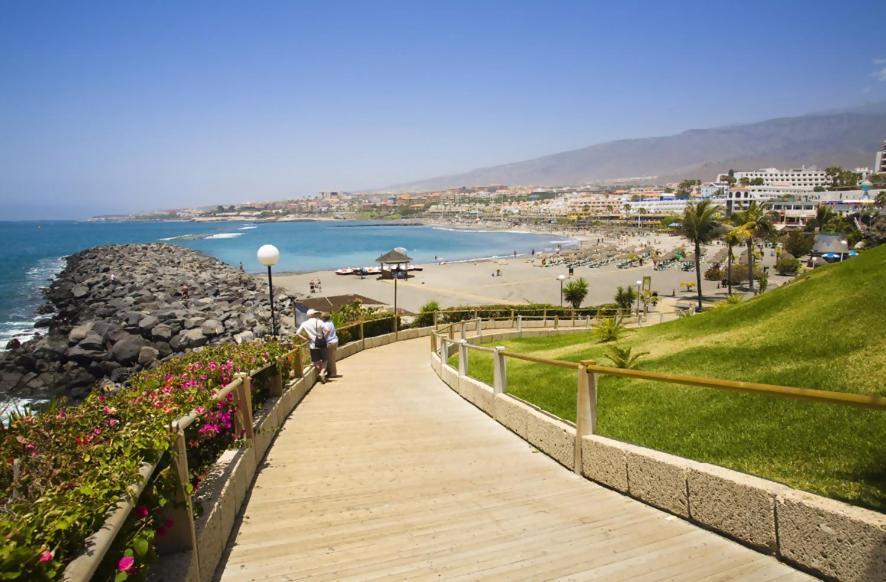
[127,108]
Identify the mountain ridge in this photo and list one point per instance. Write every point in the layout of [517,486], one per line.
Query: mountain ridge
[847,137]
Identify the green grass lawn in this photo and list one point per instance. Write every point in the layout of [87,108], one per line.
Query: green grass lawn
[825,330]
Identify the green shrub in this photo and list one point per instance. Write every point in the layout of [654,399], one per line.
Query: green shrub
[714,273]
[74,463]
[609,329]
[787,264]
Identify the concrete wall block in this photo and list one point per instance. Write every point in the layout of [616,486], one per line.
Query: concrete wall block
[483,398]
[658,479]
[211,542]
[830,537]
[512,413]
[737,505]
[551,436]
[264,434]
[435,361]
[605,461]
[477,394]
[450,376]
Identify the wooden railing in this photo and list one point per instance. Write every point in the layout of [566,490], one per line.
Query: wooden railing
[589,373]
[182,535]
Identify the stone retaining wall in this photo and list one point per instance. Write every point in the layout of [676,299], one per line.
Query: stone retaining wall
[820,535]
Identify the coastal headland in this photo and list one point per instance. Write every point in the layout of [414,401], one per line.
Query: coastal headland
[118,309]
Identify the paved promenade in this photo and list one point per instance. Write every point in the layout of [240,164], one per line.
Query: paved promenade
[386,473]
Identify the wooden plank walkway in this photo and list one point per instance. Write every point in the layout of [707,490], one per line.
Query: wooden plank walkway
[388,474]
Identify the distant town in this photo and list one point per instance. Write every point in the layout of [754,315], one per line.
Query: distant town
[792,196]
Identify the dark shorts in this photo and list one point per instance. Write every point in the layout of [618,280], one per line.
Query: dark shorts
[318,354]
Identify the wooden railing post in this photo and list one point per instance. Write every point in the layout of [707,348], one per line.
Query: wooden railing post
[182,535]
[556,322]
[436,318]
[362,336]
[434,342]
[299,366]
[276,387]
[479,325]
[499,371]
[544,318]
[520,324]
[451,331]
[243,397]
[463,357]
[512,318]
[462,328]
[475,314]
[586,410]
[573,317]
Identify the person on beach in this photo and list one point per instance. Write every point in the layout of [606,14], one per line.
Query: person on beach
[312,329]
[311,285]
[331,346]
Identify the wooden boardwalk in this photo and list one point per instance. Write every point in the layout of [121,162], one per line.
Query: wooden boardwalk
[386,473]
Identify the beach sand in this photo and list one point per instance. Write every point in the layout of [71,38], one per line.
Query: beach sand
[521,281]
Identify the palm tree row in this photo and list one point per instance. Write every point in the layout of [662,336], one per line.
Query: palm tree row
[702,223]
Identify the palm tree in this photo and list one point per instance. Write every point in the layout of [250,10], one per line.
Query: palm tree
[700,225]
[756,224]
[733,237]
[575,292]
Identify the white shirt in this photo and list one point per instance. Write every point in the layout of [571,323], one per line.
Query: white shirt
[313,327]
[331,337]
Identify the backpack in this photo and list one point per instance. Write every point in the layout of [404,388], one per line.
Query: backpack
[320,340]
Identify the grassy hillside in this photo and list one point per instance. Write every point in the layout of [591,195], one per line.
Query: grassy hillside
[825,330]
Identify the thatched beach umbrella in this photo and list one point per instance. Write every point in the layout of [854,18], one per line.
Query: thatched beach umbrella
[395,257]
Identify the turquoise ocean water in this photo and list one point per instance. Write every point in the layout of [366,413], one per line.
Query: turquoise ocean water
[31,253]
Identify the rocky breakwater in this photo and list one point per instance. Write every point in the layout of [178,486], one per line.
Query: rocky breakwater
[121,308]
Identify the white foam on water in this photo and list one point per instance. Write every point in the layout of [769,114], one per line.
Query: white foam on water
[10,404]
[247,228]
[177,237]
[224,235]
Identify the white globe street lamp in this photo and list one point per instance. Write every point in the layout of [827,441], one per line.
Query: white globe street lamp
[639,283]
[268,255]
[561,278]
[841,250]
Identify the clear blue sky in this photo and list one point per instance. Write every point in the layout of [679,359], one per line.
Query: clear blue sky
[118,106]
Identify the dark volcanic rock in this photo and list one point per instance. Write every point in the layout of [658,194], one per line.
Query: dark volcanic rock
[120,308]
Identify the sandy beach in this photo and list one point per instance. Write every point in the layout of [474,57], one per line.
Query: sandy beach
[522,279]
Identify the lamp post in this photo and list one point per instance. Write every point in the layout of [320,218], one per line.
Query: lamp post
[841,250]
[268,255]
[561,278]
[639,283]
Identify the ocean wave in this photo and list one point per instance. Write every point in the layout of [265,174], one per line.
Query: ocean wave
[248,227]
[224,235]
[9,404]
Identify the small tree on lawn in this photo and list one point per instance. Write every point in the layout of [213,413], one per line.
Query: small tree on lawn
[700,225]
[624,298]
[575,292]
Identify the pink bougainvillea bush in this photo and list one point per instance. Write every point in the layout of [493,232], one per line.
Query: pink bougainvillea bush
[64,469]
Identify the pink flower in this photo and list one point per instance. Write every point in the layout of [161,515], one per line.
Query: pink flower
[61,415]
[109,410]
[126,564]
[45,556]
[141,512]
[96,431]
[113,422]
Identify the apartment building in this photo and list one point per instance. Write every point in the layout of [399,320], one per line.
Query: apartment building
[804,177]
[880,159]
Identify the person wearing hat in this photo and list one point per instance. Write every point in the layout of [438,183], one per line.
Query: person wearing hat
[312,329]
[331,345]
